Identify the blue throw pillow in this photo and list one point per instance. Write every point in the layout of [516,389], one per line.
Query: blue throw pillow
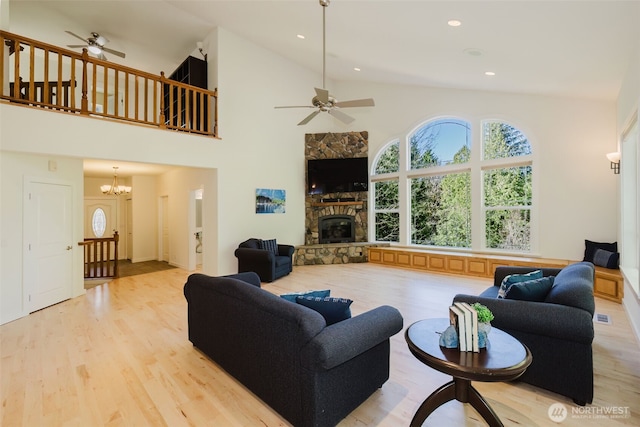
[606,259]
[292,296]
[531,290]
[269,245]
[517,278]
[333,310]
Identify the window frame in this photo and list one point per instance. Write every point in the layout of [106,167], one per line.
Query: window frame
[476,166]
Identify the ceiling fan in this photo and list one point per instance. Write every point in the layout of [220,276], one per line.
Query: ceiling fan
[323,101]
[95,45]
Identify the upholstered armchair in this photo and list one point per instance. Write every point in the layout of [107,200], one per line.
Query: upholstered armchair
[265,257]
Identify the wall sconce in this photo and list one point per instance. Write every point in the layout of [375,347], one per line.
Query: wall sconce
[200,49]
[614,158]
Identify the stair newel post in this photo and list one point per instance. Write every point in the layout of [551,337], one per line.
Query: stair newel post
[116,239]
[84,105]
[163,124]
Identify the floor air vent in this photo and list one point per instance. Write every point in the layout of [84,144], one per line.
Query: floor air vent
[602,318]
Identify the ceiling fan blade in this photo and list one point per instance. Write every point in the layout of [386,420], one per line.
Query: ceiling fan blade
[356,103]
[296,106]
[75,46]
[77,36]
[113,52]
[323,95]
[102,56]
[308,118]
[344,118]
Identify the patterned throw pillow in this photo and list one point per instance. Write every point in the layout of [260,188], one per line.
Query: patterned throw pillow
[517,278]
[269,245]
[333,310]
[292,296]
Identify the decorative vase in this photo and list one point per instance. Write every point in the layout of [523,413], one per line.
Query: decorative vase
[484,327]
[449,338]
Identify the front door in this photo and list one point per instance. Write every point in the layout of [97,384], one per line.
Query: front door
[48,267]
[101,219]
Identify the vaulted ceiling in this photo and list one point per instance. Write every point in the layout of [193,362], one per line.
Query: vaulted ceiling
[560,48]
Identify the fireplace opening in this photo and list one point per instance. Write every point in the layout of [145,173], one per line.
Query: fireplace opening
[336,229]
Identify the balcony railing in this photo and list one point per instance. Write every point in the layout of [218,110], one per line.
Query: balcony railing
[49,77]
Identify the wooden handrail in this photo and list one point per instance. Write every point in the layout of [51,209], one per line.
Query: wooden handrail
[97,257]
[146,98]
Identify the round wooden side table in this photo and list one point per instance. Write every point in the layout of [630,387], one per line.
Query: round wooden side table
[504,359]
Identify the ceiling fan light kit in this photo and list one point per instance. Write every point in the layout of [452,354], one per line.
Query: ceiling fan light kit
[96,45]
[323,101]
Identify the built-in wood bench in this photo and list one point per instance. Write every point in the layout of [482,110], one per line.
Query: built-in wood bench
[608,283]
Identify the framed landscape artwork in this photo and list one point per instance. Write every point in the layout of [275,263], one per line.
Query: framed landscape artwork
[269,201]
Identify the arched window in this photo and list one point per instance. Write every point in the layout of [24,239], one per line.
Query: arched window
[439,172]
[440,142]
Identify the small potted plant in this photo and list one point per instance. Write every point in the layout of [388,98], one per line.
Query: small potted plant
[485,316]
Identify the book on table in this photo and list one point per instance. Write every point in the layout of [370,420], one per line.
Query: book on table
[457,319]
[474,327]
[470,326]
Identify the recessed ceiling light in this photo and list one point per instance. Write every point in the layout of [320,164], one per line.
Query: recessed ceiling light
[472,51]
[454,23]
[300,36]
[489,73]
[356,69]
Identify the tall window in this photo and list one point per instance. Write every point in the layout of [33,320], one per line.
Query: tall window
[630,176]
[386,207]
[440,199]
[507,189]
[440,172]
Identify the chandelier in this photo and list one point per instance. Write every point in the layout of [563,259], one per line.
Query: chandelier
[114,188]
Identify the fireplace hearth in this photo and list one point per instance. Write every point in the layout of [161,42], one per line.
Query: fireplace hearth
[336,229]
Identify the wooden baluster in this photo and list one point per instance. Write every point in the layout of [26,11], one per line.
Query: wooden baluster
[84,105]
[16,69]
[116,238]
[162,119]
[126,95]
[115,90]
[105,91]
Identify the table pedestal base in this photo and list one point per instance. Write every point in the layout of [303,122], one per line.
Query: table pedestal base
[461,390]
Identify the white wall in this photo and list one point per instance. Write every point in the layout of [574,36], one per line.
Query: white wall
[15,167]
[178,186]
[628,105]
[144,203]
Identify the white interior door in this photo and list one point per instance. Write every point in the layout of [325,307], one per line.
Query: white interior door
[48,266]
[129,229]
[165,228]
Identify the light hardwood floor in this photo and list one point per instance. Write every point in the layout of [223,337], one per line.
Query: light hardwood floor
[119,356]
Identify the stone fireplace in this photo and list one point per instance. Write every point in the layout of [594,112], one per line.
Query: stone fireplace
[346,204]
[335,223]
[336,229]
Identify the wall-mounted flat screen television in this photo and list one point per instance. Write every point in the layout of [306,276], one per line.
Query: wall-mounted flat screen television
[326,176]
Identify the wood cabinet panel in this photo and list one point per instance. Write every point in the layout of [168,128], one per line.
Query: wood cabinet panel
[455,265]
[477,267]
[419,260]
[608,283]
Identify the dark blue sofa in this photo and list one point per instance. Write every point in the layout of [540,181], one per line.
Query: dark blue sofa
[310,373]
[558,331]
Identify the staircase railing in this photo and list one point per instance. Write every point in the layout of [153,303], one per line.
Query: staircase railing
[45,76]
[98,261]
